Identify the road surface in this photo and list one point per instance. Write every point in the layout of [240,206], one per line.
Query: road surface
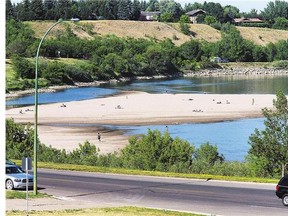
[201,196]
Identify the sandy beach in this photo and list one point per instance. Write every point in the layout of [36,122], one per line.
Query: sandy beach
[67,126]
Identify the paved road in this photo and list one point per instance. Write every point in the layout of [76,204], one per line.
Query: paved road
[210,197]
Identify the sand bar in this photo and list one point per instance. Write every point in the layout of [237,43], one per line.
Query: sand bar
[137,108]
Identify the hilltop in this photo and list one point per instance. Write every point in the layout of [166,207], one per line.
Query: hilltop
[155,30]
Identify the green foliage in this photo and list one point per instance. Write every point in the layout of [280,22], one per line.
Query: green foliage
[185,28]
[281,47]
[280,23]
[210,20]
[19,140]
[205,157]
[269,148]
[111,57]
[23,67]
[184,19]
[190,50]
[233,46]
[216,25]
[281,64]
[166,17]
[259,54]
[56,73]
[18,38]
[274,10]
[155,151]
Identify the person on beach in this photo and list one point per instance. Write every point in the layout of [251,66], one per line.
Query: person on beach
[99,137]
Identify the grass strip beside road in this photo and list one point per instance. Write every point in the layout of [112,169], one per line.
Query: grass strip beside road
[115,211]
[85,168]
[22,195]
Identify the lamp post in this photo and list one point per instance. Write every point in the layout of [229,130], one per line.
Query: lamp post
[36,107]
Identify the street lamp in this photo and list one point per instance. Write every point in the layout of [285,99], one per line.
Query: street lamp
[36,107]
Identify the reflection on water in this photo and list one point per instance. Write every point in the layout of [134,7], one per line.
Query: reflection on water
[213,85]
[72,94]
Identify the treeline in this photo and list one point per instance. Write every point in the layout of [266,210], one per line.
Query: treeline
[171,11]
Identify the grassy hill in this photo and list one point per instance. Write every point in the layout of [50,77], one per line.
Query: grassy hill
[155,30]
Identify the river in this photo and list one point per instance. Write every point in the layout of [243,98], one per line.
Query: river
[230,137]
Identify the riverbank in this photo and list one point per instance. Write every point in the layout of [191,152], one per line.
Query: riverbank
[68,126]
[226,70]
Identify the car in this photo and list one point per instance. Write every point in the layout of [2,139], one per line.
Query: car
[16,178]
[282,190]
[8,162]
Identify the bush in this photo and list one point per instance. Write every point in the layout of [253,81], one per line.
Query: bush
[23,67]
[216,25]
[281,64]
[185,28]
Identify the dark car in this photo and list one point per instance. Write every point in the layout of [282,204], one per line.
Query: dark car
[282,190]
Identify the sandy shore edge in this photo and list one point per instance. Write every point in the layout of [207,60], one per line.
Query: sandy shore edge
[67,127]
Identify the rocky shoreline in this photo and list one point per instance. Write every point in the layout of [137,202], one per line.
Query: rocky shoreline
[236,71]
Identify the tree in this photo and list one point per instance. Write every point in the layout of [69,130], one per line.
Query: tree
[125,10]
[269,148]
[19,140]
[280,23]
[9,10]
[210,20]
[184,19]
[185,28]
[156,151]
[282,47]
[166,17]
[37,9]
[208,155]
[190,50]
[214,9]
[231,11]
[233,46]
[23,11]
[275,9]
[171,7]
[19,36]
[49,9]
[259,54]
[23,68]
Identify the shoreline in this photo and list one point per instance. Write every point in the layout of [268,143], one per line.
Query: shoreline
[66,127]
[228,71]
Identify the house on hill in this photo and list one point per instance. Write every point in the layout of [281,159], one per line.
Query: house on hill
[194,14]
[149,15]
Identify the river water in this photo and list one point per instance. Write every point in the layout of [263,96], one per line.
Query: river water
[231,137]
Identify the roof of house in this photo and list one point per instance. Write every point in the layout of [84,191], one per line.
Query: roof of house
[150,13]
[250,20]
[195,12]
